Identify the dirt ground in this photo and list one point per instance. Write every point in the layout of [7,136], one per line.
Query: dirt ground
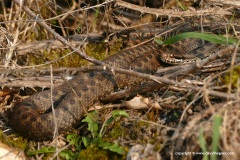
[193,112]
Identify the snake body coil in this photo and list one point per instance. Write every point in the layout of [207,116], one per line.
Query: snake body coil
[34,118]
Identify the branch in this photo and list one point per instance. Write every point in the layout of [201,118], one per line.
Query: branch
[174,13]
[74,40]
[234,3]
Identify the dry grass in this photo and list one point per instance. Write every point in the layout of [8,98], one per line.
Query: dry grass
[187,107]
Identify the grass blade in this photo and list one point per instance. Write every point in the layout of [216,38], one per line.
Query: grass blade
[217,39]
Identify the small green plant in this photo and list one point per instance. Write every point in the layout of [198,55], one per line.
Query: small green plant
[183,7]
[215,139]
[48,151]
[96,138]
[76,142]
[96,16]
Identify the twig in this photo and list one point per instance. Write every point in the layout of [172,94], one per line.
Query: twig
[82,9]
[234,3]
[74,40]
[199,64]
[173,82]
[173,13]
[52,107]
[10,53]
[151,86]
[232,67]
[30,82]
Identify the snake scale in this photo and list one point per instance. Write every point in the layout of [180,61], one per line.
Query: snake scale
[33,117]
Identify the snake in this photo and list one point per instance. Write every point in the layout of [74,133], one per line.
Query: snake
[40,116]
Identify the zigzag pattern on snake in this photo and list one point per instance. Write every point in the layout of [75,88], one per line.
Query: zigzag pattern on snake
[33,117]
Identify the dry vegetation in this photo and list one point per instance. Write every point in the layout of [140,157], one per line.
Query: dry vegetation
[185,114]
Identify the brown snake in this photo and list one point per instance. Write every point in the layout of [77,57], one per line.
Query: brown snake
[33,117]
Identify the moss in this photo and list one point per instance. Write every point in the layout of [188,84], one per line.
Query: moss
[136,131]
[93,152]
[71,60]
[14,141]
[158,146]
[117,131]
[101,51]
[152,116]
[234,79]
[98,51]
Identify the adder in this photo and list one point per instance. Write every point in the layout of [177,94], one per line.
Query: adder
[34,119]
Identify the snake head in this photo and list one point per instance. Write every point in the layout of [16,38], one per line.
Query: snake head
[177,58]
